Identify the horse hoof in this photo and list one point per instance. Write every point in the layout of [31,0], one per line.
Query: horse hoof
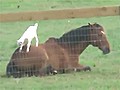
[55,72]
[87,68]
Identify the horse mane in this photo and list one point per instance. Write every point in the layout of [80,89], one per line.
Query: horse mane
[76,35]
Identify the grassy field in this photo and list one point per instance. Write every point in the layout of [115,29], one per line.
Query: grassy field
[104,76]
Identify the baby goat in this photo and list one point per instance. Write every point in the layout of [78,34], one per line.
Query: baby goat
[28,35]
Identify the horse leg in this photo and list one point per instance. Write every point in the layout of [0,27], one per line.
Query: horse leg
[85,68]
[78,67]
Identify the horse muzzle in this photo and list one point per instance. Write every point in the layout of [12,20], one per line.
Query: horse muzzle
[106,50]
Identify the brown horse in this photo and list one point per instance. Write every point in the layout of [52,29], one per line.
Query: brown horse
[60,54]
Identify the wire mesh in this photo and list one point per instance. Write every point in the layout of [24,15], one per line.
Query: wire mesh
[58,54]
[36,62]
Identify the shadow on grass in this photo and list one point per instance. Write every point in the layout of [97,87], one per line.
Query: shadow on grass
[3,76]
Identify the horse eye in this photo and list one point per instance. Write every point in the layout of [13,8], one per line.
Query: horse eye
[100,35]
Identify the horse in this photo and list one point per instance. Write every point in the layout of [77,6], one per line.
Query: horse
[59,54]
[20,65]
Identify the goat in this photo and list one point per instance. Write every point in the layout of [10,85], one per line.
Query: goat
[28,35]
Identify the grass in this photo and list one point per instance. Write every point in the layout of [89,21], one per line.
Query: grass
[105,74]
[28,5]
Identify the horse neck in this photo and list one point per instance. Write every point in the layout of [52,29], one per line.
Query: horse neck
[74,49]
[81,47]
[76,40]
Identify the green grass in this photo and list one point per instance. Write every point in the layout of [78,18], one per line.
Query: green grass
[28,5]
[104,76]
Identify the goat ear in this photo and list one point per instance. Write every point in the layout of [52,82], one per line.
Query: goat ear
[17,40]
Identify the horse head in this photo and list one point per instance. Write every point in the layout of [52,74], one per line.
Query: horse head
[98,38]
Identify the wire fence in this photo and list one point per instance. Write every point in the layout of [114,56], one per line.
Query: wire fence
[58,55]
[62,43]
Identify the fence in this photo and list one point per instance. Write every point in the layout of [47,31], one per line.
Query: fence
[58,55]
[68,46]
[61,14]
[40,61]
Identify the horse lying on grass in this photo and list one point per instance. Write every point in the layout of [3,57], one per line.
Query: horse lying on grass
[58,54]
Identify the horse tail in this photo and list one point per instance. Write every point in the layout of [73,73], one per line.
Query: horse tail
[11,70]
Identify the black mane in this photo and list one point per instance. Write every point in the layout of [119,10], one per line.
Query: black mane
[76,35]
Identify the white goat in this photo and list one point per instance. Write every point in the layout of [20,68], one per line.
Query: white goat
[28,35]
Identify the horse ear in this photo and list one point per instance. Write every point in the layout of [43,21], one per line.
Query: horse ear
[95,23]
[89,24]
